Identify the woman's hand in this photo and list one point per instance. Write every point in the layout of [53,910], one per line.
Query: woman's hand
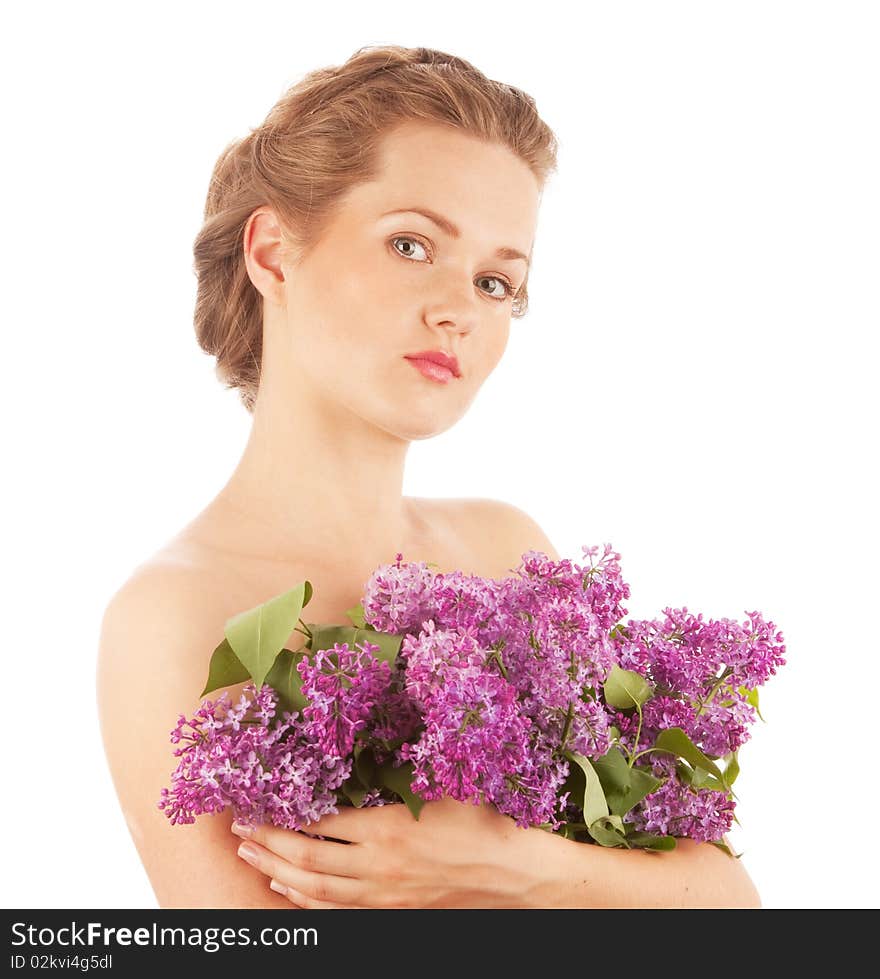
[456,855]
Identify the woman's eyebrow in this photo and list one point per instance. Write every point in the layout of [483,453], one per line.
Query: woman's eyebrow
[453,231]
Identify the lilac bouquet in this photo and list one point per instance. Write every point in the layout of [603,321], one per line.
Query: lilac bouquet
[529,693]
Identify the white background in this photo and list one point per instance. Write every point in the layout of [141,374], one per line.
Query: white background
[695,381]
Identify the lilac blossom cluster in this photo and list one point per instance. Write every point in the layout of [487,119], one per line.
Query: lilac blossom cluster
[495,683]
[703,674]
[286,773]
[497,670]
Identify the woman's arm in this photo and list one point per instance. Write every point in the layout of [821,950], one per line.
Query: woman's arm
[693,875]
[457,855]
[157,635]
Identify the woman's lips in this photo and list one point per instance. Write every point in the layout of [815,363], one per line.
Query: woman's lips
[436,372]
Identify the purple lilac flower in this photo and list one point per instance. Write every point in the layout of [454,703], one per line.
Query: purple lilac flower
[397,718]
[398,597]
[554,647]
[530,795]
[702,672]
[473,729]
[720,730]
[675,809]
[684,655]
[343,686]
[477,743]
[472,723]
[287,773]
[232,757]
[463,601]
[494,681]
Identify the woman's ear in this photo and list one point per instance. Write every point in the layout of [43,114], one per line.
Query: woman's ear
[263,244]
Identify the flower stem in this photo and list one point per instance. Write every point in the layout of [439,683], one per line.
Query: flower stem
[496,655]
[307,632]
[632,756]
[705,701]
[567,727]
[647,751]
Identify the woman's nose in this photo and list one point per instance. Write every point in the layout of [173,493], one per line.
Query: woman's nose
[454,304]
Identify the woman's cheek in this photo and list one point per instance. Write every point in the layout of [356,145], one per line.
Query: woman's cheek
[498,350]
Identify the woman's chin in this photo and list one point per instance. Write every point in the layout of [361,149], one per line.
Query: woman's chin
[419,425]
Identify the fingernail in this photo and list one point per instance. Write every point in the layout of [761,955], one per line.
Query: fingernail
[240,829]
[275,886]
[247,852]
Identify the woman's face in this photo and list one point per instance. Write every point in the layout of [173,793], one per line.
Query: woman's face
[379,287]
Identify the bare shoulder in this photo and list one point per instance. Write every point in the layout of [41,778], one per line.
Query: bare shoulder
[162,609]
[157,635]
[166,594]
[505,530]
[158,631]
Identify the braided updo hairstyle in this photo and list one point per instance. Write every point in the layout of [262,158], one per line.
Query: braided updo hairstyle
[319,140]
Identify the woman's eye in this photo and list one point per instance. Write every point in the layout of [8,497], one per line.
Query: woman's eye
[410,242]
[506,287]
[410,245]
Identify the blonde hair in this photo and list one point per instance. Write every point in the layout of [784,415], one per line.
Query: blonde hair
[320,139]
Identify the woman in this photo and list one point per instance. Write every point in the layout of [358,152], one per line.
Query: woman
[380,221]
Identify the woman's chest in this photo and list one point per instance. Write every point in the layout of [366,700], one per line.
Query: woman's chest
[456,541]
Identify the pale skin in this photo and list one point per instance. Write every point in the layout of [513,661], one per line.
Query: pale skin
[318,494]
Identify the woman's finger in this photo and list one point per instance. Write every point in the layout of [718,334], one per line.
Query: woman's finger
[352,824]
[309,903]
[320,887]
[318,856]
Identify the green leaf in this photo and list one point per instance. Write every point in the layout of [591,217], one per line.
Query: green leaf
[608,831]
[751,697]
[593,800]
[354,791]
[388,643]
[575,785]
[399,780]
[676,742]
[259,634]
[623,786]
[723,846]
[649,841]
[697,778]
[614,733]
[326,637]
[285,680]
[365,765]
[225,669]
[732,768]
[568,830]
[626,688]
[356,615]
